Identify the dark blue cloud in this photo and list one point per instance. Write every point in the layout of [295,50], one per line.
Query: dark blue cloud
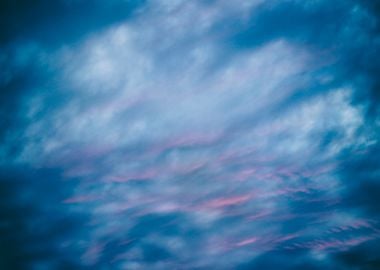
[311,23]
[32,220]
[59,22]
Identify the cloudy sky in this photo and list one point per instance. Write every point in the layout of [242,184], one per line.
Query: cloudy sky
[204,134]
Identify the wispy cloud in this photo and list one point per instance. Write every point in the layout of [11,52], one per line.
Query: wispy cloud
[202,134]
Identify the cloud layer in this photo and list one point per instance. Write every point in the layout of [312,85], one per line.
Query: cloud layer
[190,135]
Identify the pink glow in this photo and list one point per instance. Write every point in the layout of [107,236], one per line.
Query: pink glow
[247,242]
[223,202]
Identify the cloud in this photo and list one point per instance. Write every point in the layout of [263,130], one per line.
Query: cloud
[245,138]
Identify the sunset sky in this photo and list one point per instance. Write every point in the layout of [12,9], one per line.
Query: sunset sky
[204,134]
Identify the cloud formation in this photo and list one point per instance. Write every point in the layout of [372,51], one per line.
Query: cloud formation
[190,135]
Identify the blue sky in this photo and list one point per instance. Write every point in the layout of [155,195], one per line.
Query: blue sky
[189,134]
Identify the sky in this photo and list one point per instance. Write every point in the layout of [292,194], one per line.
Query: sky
[203,134]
